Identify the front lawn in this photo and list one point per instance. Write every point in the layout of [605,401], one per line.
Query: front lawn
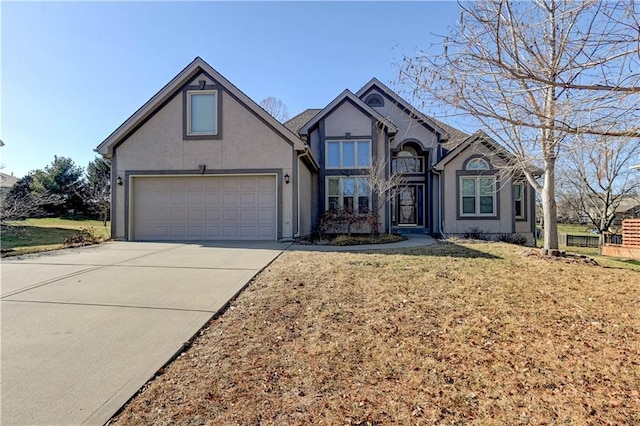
[486,334]
[33,235]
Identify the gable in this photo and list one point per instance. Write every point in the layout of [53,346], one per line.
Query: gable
[347,96]
[194,72]
[347,118]
[393,101]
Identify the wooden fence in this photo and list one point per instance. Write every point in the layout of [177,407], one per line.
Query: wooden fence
[631,232]
[625,245]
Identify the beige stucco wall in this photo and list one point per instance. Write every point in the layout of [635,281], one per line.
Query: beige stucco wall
[453,225]
[347,118]
[407,127]
[247,144]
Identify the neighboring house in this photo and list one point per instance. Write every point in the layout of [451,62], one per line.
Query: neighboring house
[200,161]
[7,182]
[629,208]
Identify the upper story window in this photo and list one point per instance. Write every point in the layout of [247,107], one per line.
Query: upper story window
[202,113]
[478,164]
[348,154]
[374,100]
[407,161]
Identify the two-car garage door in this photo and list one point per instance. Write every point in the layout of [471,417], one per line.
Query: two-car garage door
[204,208]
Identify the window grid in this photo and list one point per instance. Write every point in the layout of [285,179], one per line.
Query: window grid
[518,199]
[349,193]
[477,196]
[348,154]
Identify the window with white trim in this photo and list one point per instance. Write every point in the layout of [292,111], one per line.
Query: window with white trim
[202,113]
[477,196]
[348,154]
[518,200]
[349,193]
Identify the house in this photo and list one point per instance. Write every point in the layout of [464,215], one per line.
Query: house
[202,161]
[7,182]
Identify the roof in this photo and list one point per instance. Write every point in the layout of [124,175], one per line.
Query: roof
[456,136]
[295,123]
[627,203]
[7,181]
[397,99]
[480,137]
[347,95]
[197,66]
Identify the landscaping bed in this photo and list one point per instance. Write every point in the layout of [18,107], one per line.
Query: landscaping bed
[448,334]
[349,240]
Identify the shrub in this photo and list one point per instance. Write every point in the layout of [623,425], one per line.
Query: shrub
[475,233]
[517,239]
[341,221]
[84,237]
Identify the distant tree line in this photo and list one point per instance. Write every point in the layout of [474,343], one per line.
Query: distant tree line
[61,189]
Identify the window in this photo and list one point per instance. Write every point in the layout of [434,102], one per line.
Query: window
[407,161]
[374,100]
[478,164]
[348,154]
[202,113]
[477,196]
[518,200]
[349,193]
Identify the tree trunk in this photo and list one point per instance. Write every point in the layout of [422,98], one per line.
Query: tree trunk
[549,208]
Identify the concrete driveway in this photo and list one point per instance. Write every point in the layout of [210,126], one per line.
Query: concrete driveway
[84,329]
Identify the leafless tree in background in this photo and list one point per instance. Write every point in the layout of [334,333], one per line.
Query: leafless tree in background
[597,178]
[534,74]
[275,107]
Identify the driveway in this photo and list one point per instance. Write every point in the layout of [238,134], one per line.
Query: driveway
[84,329]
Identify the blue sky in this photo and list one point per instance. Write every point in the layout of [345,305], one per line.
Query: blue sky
[73,72]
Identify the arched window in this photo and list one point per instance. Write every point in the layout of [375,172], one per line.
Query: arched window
[478,164]
[374,100]
[408,161]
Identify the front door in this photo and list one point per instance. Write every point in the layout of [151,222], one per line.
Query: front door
[407,205]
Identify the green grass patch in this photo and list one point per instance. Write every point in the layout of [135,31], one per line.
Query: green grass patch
[35,235]
[575,229]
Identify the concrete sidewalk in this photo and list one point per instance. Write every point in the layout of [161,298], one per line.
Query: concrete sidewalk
[84,329]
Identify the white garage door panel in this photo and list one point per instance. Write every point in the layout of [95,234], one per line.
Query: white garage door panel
[204,208]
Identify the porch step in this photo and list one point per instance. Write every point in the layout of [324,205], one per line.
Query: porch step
[409,231]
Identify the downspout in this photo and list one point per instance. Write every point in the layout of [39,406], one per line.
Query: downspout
[439,203]
[305,153]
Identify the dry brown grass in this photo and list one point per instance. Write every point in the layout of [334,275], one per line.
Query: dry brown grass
[450,334]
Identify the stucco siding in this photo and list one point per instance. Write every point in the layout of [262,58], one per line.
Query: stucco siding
[453,224]
[347,118]
[247,144]
[408,128]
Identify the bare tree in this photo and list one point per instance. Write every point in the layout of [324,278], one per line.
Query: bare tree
[597,178]
[276,108]
[385,186]
[533,73]
[21,202]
